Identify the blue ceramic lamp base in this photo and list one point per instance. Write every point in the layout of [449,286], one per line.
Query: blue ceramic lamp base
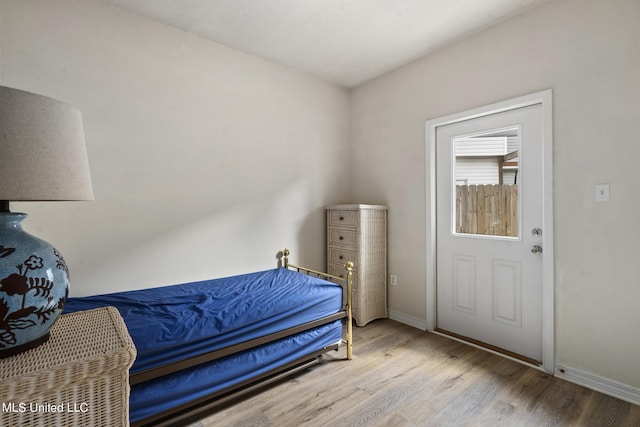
[34,283]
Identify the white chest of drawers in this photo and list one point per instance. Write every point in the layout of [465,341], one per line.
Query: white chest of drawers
[358,233]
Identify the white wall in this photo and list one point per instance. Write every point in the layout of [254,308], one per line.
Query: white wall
[587,52]
[205,161]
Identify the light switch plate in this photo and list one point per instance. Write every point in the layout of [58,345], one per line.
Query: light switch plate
[602,192]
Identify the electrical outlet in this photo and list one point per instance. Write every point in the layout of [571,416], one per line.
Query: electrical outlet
[393,280]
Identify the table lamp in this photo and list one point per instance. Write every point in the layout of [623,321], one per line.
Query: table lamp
[43,157]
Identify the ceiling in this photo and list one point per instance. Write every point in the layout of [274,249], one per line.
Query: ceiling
[346,42]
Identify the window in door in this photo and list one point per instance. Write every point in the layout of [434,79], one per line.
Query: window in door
[485,194]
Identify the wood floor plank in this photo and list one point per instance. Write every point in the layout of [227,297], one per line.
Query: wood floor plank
[404,377]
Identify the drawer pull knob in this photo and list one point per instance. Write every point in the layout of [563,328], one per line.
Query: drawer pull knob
[341,238]
[340,257]
[341,218]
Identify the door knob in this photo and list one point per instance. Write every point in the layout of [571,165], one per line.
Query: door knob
[536,249]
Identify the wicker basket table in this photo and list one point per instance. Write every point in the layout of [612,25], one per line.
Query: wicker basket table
[80,377]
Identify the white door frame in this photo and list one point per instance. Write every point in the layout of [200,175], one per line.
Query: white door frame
[548,288]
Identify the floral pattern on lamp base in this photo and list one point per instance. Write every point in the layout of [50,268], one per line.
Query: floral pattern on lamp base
[34,283]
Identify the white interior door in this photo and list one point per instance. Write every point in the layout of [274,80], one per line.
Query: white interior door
[489,223]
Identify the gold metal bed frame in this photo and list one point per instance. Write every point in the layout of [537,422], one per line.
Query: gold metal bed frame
[193,410]
[347,282]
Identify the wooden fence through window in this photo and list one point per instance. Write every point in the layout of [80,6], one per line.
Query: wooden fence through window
[487,209]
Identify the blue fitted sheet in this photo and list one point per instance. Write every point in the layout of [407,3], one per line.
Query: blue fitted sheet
[168,392]
[172,323]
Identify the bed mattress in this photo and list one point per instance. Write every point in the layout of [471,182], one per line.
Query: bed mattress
[172,323]
[166,393]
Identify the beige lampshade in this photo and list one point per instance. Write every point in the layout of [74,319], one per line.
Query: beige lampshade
[42,150]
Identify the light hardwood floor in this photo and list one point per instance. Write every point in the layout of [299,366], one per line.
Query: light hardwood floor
[402,376]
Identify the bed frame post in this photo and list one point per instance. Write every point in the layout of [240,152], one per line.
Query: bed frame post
[349,267]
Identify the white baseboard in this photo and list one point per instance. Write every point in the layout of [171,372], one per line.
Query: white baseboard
[408,320]
[586,379]
[595,382]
